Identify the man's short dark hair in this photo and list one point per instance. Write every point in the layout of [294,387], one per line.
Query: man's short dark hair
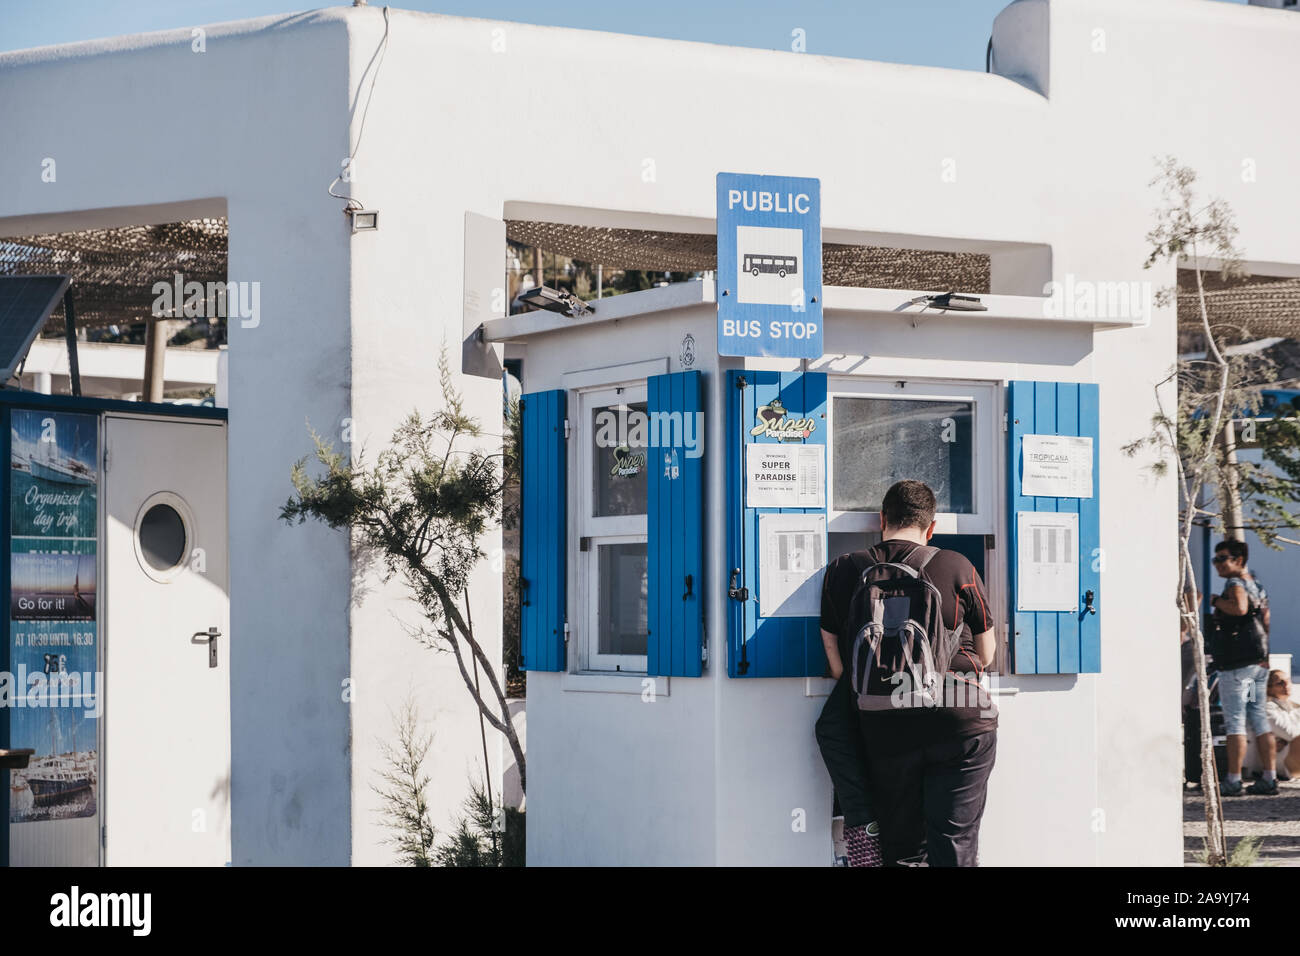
[1235,549]
[909,504]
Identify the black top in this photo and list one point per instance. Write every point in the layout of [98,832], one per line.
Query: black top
[1236,643]
[965,604]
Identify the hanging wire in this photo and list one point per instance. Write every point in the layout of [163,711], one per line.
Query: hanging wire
[351,202]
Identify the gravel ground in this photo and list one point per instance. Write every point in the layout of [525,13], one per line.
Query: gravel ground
[1275,819]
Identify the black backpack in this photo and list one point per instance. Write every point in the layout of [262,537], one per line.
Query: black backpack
[901,648]
[1243,640]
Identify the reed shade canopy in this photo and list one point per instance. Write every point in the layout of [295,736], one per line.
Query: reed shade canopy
[877,267]
[114,270]
[1263,305]
[1253,307]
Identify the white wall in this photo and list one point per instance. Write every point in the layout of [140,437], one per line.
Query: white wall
[351,326]
[1089,766]
[140,128]
[615,779]
[347,343]
[406,300]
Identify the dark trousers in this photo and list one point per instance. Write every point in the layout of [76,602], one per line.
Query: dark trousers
[839,735]
[930,800]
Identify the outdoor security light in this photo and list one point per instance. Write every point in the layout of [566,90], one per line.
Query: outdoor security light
[952,302]
[555,300]
[363,220]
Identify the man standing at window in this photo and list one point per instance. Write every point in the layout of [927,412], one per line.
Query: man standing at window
[927,768]
[1240,650]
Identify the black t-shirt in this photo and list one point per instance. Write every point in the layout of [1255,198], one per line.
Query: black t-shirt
[965,604]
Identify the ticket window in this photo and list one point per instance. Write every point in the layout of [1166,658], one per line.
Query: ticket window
[945,434]
[612,492]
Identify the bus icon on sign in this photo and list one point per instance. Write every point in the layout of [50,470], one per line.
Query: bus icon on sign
[758,263]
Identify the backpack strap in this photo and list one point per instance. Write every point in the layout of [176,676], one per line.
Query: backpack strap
[890,564]
[927,553]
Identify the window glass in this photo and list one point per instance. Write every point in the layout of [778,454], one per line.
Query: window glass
[162,537]
[878,441]
[619,440]
[622,619]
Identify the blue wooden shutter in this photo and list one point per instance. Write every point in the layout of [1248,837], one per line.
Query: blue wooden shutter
[543,526]
[675,519]
[766,646]
[1048,642]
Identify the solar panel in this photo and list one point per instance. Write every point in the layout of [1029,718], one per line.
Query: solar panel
[25,304]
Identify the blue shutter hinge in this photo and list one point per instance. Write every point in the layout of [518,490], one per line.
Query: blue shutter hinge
[566,429]
[1004,421]
[566,632]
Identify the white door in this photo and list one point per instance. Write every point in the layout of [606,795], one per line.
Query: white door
[166,708]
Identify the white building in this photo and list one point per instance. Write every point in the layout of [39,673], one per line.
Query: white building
[1042,166]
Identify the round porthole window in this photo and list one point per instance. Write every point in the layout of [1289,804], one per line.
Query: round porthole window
[163,534]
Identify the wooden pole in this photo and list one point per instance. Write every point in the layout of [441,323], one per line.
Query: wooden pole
[70,336]
[155,356]
[1233,522]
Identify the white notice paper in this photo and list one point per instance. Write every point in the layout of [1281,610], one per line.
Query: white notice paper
[1047,571]
[1056,466]
[785,476]
[791,557]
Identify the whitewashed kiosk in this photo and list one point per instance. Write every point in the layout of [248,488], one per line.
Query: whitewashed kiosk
[1042,164]
[675,663]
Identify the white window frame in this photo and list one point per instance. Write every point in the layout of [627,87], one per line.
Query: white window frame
[987,442]
[989,456]
[621,529]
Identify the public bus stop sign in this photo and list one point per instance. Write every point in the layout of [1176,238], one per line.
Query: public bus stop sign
[769,278]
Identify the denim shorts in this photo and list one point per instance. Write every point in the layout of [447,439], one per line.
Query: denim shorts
[1243,693]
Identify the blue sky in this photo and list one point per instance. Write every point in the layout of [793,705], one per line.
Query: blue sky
[949,33]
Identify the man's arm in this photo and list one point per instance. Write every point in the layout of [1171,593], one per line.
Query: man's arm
[832,645]
[978,617]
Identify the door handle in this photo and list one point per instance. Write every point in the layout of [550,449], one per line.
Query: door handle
[208,637]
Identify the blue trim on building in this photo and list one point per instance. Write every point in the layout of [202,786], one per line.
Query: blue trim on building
[675,519]
[1055,642]
[543,531]
[766,646]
